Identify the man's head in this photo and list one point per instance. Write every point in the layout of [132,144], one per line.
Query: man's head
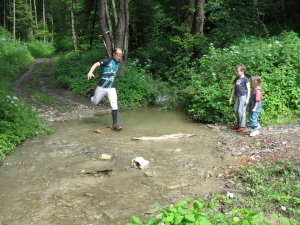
[117,54]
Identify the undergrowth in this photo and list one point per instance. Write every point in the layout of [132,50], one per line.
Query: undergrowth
[17,122]
[274,187]
[268,194]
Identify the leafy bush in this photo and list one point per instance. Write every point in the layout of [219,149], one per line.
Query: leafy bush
[17,122]
[276,60]
[70,70]
[40,49]
[133,85]
[14,54]
[134,88]
[6,75]
[203,212]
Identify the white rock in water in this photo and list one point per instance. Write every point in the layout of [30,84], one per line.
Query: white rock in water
[105,156]
[140,162]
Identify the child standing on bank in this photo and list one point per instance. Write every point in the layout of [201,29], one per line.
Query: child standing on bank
[255,105]
[241,91]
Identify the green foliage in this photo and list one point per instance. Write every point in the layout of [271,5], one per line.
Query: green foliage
[227,21]
[274,187]
[17,122]
[13,57]
[40,49]
[203,212]
[134,87]
[275,60]
[6,75]
[71,69]
[16,55]
[21,15]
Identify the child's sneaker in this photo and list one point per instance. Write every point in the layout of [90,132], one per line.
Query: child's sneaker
[258,127]
[240,129]
[90,91]
[116,127]
[234,127]
[254,133]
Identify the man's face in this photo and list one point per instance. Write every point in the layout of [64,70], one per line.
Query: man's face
[117,56]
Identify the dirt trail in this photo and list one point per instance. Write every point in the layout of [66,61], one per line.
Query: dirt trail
[36,86]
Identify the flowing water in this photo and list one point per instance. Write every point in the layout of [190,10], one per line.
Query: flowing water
[53,179]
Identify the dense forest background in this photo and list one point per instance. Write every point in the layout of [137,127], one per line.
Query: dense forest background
[183,52]
[151,26]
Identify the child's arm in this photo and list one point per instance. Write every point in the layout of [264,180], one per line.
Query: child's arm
[248,93]
[232,93]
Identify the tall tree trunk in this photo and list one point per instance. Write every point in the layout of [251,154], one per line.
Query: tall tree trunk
[103,25]
[52,27]
[30,26]
[126,39]
[199,17]
[44,20]
[190,16]
[35,14]
[121,29]
[120,32]
[111,35]
[73,26]
[115,11]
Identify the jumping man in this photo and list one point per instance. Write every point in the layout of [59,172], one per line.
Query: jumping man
[106,84]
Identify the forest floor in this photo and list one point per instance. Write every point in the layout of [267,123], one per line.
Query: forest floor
[58,104]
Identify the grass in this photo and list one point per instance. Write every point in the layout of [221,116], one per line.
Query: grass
[270,188]
[43,98]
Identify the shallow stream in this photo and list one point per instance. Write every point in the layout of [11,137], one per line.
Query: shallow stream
[53,179]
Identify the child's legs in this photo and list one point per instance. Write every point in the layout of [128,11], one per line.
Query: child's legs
[253,120]
[113,99]
[99,94]
[253,117]
[240,110]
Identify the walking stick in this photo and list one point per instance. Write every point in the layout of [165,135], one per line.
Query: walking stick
[106,48]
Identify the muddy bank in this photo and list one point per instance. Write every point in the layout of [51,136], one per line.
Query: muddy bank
[280,142]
